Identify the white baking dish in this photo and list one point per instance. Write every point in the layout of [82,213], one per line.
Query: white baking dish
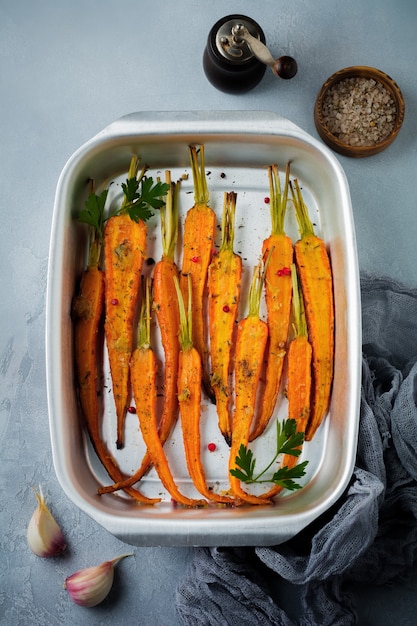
[238,148]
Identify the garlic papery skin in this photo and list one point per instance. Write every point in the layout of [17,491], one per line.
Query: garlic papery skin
[44,536]
[88,587]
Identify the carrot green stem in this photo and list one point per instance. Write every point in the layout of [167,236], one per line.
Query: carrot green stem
[144,328]
[277,214]
[169,218]
[201,194]
[256,286]
[300,323]
[186,327]
[133,173]
[304,223]
[228,221]
[278,199]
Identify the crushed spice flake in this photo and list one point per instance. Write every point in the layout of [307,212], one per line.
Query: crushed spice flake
[359,111]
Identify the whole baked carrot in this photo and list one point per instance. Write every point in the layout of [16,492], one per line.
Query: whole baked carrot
[189,397]
[224,287]
[252,336]
[299,374]
[144,367]
[124,251]
[87,312]
[88,308]
[165,303]
[198,240]
[314,270]
[278,290]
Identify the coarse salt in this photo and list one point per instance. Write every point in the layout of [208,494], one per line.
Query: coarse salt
[359,111]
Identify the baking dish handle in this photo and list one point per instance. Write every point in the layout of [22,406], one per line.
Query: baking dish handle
[213,122]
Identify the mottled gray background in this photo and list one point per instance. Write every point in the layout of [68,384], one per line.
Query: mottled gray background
[68,69]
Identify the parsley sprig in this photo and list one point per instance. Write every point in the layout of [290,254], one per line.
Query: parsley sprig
[141,195]
[288,442]
[93,215]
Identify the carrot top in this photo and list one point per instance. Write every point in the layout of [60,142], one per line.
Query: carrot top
[228,222]
[256,287]
[304,222]
[169,218]
[299,322]
[141,195]
[201,193]
[93,215]
[278,199]
[186,326]
[144,326]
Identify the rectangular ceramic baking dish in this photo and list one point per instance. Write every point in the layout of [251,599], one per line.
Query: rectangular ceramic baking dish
[238,149]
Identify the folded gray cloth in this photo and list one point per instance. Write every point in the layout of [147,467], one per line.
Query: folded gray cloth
[369,535]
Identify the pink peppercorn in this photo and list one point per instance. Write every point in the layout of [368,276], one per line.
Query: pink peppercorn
[114,301]
[195,259]
[285,271]
[226,308]
[267,200]
[211,447]
[131,409]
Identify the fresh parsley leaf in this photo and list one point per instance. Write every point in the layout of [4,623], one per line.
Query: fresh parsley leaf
[246,462]
[141,196]
[93,213]
[152,194]
[285,475]
[130,189]
[288,442]
[139,211]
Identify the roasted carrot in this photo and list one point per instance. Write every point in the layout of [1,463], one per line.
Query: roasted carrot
[252,336]
[124,251]
[277,297]
[88,309]
[189,398]
[299,374]
[165,303]
[224,287]
[144,367]
[198,242]
[314,270]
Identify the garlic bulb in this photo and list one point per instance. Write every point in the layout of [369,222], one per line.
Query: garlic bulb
[44,536]
[88,587]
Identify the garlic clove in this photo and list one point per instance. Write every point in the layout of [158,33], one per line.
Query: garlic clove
[44,536]
[88,587]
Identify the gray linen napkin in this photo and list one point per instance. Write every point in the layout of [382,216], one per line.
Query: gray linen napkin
[369,535]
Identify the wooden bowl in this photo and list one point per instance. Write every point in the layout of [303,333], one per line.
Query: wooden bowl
[343,145]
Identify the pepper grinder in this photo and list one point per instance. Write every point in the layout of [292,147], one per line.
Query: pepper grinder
[236,57]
